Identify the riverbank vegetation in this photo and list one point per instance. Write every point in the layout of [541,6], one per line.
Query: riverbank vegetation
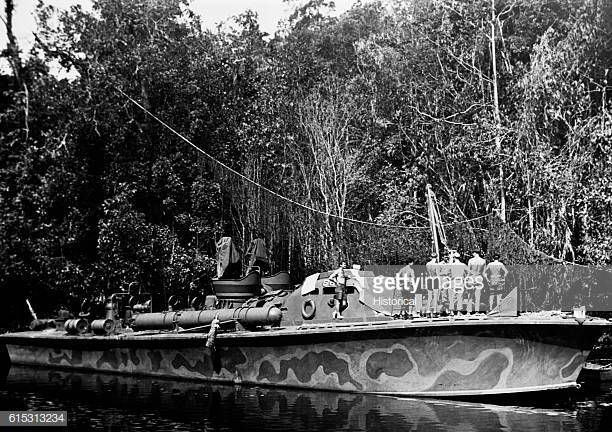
[502,106]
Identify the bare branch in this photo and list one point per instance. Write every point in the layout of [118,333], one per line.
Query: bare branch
[444,119]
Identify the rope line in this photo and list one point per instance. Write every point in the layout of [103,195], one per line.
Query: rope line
[262,187]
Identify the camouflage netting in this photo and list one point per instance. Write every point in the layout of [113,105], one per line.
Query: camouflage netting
[502,240]
[545,282]
[303,240]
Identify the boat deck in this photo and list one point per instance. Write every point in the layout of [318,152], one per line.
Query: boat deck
[321,327]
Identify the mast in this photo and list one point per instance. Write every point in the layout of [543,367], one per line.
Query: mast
[435,222]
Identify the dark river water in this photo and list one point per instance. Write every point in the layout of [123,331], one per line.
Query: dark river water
[119,403]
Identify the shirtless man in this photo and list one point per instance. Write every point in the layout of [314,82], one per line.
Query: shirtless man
[495,274]
[339,276]
[458,272]
[476,266]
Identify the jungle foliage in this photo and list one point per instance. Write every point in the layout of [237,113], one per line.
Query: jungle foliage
[350,115]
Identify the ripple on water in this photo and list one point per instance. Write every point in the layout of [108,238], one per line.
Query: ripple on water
[119,403]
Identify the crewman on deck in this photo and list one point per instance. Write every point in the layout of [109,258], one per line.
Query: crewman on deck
[476,267]
[339,276]
[458,272]
[495,274]
[406,274]
[445,277]
[432,270]
[407,270]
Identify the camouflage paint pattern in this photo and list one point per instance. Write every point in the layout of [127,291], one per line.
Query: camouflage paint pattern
[412,365]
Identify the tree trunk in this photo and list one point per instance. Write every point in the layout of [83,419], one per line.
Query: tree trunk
[502,195]
[12,48]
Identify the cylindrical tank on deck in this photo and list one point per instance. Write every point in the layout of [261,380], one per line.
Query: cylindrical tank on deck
[76,326]
[103,327]
[247,316]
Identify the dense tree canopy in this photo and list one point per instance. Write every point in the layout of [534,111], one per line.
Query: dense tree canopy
[350,115]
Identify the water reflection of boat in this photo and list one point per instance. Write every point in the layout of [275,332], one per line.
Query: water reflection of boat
[262,408]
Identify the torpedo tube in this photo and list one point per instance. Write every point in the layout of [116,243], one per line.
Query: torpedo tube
[246,316]
[154,321]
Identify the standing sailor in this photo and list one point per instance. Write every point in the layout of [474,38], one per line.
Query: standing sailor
[495,274]
[476,267]
[407,276]
[458,271]
[432,283]
[340,277]
[445,281]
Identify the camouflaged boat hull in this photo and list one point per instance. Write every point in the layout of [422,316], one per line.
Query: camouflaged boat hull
[437,359]
[284,409]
